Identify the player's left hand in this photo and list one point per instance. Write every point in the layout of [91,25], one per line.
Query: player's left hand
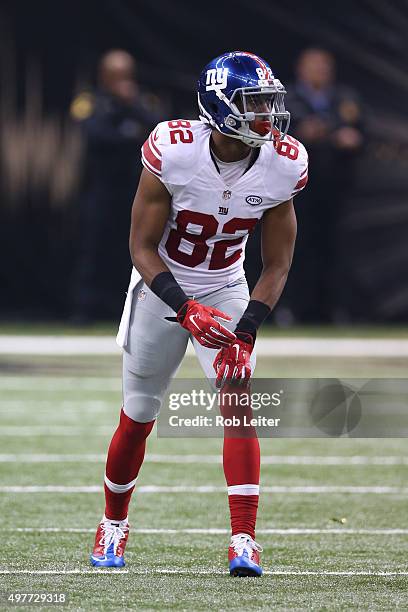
[232,364]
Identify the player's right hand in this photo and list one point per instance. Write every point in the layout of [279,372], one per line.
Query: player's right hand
[200,322]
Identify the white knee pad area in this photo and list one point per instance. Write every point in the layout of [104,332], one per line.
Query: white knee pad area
[140,407]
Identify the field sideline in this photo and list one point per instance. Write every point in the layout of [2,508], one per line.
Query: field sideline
[332,518]
[266,346]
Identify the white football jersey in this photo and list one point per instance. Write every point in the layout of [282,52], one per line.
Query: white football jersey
[204,240]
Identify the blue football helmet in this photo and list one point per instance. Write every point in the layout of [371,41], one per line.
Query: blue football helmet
[240,97]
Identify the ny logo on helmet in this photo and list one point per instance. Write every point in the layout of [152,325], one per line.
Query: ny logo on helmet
[216,79]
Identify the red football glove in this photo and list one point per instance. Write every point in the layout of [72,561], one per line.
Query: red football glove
[199,321]
[232,364]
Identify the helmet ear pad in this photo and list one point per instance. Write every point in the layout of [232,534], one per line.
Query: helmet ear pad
[220,110]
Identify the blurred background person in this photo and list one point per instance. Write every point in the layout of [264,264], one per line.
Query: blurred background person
[115,121]
[326,117]
[358,173]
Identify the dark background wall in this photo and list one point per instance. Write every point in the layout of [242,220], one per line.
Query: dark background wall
[49,51]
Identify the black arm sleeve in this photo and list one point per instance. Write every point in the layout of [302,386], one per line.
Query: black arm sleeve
[165,286]
[253,317]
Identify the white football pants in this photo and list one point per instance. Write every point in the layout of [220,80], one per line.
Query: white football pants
[155,347]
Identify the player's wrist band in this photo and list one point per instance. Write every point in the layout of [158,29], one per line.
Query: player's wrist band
[253,317]
[165,286]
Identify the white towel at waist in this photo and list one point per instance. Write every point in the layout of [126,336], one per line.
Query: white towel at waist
[121,338]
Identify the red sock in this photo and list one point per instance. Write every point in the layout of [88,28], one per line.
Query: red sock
[241,460]
[125,456]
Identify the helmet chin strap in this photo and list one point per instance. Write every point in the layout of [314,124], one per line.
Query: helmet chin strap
[246,139]
[205,117]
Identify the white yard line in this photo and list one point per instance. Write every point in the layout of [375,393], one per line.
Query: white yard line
[333,460]
[58,345]
[201,572]
[332,573]
[356,460]
[73,571]
[29,406]
[211,572]
[26,458]
[16,431]
[214,531]
[59,383]
[273,347]
[381,490]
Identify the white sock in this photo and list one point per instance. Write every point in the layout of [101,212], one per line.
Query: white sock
[114,521]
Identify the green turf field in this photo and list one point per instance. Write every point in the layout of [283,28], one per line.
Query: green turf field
[56,418]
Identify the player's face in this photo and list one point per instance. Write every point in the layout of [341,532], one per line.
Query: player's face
[263,110]
[262,105]
[259,103]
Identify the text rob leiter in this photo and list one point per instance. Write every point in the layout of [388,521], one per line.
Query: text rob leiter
[220,421]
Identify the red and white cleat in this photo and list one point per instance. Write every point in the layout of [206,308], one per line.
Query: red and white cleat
[243,556]
[110,542]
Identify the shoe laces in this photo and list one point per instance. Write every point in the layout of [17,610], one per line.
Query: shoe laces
[112,533]
[243,542]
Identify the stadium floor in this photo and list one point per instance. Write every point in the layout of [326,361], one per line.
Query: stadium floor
[56,417]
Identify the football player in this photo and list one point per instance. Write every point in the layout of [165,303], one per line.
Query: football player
[204,187]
